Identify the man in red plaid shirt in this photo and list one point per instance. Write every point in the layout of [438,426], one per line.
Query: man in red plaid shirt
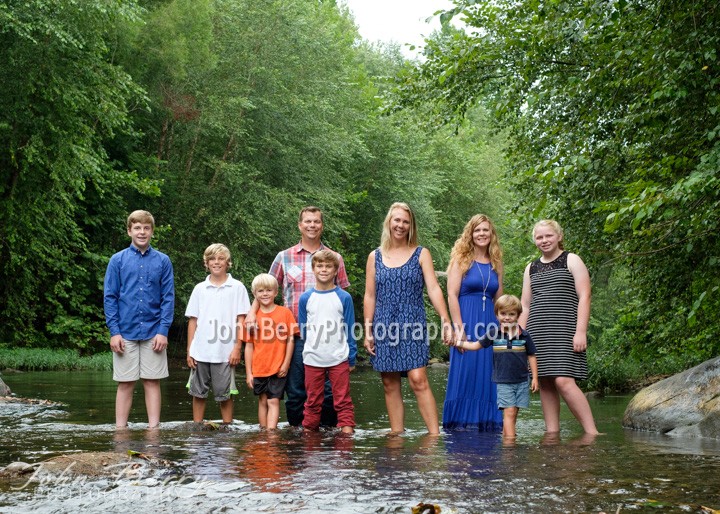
[293,270]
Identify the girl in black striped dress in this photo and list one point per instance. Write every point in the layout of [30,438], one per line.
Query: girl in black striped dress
[556,312]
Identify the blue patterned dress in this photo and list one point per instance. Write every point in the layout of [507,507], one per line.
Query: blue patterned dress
[471,396]
[399,323]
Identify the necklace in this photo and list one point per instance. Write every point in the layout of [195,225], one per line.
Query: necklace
[482,279]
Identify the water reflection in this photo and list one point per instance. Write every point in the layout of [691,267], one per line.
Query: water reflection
[246,469]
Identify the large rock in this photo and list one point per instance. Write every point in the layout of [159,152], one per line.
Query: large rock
[4,389]
[686,404]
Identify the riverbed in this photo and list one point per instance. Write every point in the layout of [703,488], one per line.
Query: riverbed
[248,470]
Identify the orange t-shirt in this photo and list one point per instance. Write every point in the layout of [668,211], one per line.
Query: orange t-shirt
[270,339]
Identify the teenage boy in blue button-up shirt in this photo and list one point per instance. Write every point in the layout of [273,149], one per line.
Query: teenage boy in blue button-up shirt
[139,304]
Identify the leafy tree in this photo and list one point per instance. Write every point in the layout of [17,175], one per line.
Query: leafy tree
[62,103]
[612,112]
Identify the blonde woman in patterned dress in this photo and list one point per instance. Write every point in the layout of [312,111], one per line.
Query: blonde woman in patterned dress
[396,335]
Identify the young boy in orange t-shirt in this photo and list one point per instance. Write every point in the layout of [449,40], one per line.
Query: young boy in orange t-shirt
[269,350]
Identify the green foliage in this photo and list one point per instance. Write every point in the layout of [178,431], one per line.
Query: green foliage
[62,102]
[47,359]
[223,118]
[612,114]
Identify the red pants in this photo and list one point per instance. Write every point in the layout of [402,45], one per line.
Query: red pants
[339,376]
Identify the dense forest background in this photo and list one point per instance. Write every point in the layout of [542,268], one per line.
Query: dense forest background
[224,117]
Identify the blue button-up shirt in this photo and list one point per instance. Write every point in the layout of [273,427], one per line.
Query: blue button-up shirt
[139,294]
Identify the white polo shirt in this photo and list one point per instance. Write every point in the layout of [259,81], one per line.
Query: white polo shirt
[216,309]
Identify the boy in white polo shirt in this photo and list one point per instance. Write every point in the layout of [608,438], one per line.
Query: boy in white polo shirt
[326,316]
[216,309]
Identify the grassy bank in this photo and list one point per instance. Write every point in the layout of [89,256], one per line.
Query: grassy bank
[44,359]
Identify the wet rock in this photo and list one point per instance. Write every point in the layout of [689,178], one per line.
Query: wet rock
[686,404]
[90,464]
[205,426]
[4,389]
[17,469]
[30,401]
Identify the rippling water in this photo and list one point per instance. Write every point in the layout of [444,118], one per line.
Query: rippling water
[246,470]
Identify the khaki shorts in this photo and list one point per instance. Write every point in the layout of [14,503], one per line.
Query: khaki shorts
[139,360]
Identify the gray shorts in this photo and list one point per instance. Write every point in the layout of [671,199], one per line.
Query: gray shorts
[220,375]
[513,395]
[139,360]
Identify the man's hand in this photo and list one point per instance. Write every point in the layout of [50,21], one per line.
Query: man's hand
[192,363]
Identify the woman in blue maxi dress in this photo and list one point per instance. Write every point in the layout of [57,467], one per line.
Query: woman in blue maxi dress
[473,284]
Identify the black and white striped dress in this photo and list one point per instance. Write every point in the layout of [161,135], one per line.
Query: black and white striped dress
[553,319]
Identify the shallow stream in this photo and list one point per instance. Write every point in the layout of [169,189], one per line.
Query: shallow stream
[246,470]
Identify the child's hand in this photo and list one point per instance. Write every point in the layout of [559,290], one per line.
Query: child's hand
[283,371]
[192,363]
[352,368]
[160,343]
[249,380]
[117,344]
[250,323]
[234,359]
[534,386]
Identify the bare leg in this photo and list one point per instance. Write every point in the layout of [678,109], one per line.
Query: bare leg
[576,402]
[273,413]
[426,401]
[263,410]
[509,420]
[152,401]
[394,401]
[226,410]
[550,400]
[198,405]
[123,403]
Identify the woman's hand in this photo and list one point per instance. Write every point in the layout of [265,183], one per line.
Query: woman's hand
[370,342]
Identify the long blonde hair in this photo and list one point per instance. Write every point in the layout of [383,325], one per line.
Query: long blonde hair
[412,233]
[463,252]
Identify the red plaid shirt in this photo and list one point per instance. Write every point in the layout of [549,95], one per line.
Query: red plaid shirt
[293,270]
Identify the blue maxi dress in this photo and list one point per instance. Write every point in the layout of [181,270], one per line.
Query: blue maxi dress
[471,396]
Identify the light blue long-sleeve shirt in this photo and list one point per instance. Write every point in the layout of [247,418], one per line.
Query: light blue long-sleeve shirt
[139,294]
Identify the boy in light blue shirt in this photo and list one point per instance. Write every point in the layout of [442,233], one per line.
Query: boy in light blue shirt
[139,299]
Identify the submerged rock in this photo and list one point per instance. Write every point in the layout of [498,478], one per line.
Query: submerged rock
[205,426]
[686,404]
